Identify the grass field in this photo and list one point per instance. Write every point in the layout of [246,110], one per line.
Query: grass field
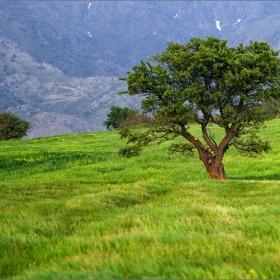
[71,207]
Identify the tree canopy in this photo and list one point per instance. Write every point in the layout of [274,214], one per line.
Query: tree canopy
[212,84]
[12,127]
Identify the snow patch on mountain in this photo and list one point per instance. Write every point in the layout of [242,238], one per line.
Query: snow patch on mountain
[218,26]
[237,21]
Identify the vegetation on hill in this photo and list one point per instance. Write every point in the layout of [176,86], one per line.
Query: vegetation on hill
[216,86]
[117,115]
[71,207]
[12,127]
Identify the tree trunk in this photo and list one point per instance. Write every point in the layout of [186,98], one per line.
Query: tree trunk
[217,172]
[214,166]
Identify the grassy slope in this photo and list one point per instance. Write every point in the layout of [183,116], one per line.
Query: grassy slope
[72,208]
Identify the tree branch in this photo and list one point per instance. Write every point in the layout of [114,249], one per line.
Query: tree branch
[205,135]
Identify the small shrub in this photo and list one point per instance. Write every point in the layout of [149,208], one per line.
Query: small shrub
[117,115]
[137,119]
[12,127]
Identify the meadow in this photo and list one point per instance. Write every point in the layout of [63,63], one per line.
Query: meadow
[71,207]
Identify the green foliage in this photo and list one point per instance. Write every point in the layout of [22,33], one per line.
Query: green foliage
[12,127]
[117,115]
[212,84]
[184,149]
[252,146]
[130,151]
[272,108]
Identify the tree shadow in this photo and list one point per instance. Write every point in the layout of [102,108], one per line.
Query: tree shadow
[271,177]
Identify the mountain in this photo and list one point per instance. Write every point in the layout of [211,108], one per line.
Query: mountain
[51,101]
[60,61]
[105,38]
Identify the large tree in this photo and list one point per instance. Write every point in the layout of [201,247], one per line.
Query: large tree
[210,83]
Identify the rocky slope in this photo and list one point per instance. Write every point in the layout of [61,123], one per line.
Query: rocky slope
[104,38]
[52,102]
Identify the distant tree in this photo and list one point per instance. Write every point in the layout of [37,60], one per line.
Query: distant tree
[117,115]
[212,84]
[12,127]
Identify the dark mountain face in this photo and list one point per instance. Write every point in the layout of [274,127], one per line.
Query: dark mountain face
[59,61]
[100,38]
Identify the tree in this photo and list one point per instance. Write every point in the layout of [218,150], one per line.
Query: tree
[117,115]
[212,84]
[12,127]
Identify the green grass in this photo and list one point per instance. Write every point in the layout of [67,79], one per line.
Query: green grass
[71,207]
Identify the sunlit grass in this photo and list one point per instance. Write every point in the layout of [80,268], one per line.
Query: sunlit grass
[71,207]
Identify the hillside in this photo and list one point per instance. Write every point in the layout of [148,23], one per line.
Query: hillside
[60,60]
[52,102]
[72,208]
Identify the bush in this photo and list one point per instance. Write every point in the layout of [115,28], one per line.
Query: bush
[12,127]
[137,119]
[117,115]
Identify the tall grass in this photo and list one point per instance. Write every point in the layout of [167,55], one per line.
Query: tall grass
[71,207]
